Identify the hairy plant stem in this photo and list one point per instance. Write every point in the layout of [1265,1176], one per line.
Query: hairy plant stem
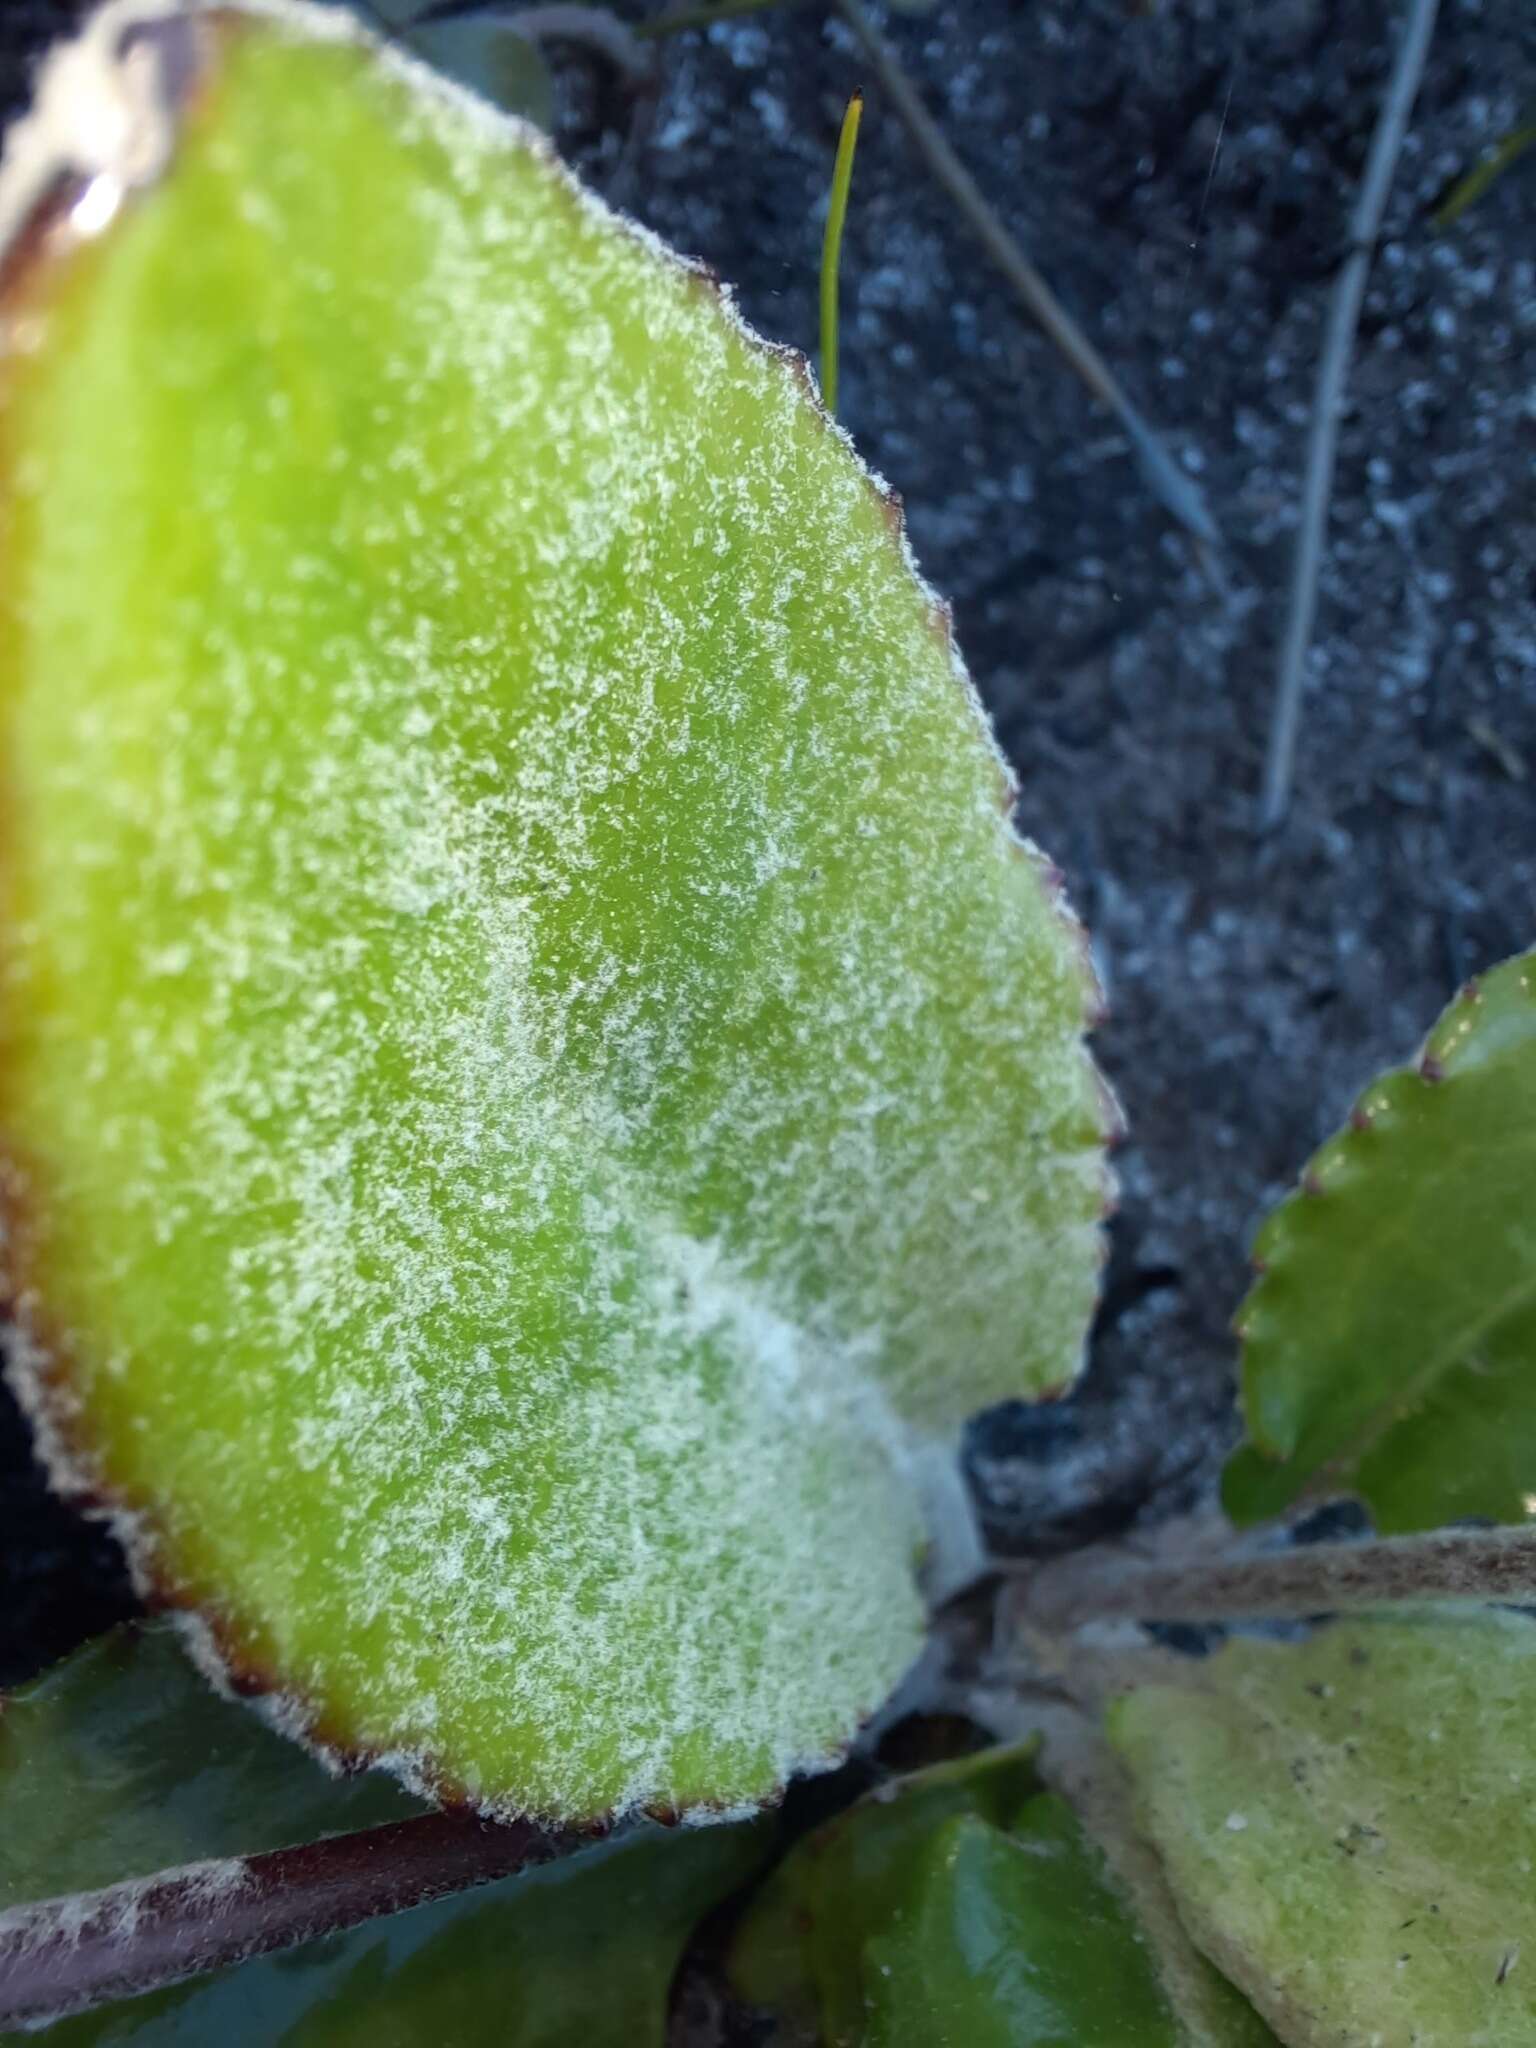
[62,1956]
[1448,1564]
[1328,403]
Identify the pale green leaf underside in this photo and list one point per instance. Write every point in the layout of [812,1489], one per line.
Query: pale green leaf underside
[1390,1343]
[543,1085]
[1349,1825]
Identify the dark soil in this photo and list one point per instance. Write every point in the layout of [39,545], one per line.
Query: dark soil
[1183,175]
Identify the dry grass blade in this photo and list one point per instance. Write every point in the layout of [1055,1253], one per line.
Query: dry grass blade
[1178,495]
[1332,373]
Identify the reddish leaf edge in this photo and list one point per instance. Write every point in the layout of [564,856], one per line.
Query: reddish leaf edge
[64,1955]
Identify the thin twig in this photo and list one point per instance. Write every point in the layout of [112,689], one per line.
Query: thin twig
[64,1955]
[1450,1564]
[1169,484]
[1327,404]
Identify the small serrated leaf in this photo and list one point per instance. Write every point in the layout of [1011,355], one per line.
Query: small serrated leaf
[1389,1346]
[1347,1824]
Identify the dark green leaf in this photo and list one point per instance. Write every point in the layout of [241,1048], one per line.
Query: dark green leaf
[963,1908]
[1390,1343]
[799,1948]
[1012,1940]
[122,1761]
[488,57]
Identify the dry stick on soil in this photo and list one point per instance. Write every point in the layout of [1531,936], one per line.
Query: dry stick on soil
[1450,1564]
[1169,484]
[1332,372]
[64,1955]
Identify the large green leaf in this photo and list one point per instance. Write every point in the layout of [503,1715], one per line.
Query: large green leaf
[963,1908]
[1390,1342]
[540,1084]
[121,1761]
[1349,1825]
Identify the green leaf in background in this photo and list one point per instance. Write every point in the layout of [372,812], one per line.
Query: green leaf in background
[540,1085]
[122,1761]
[1012,1939]
[492,60]
[957,1908]
[1349,1824]
[798,1947]
[580,1954]
[1389,1346]
[488,57]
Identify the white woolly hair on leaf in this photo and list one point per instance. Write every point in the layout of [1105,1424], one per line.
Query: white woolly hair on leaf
[823,1369]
